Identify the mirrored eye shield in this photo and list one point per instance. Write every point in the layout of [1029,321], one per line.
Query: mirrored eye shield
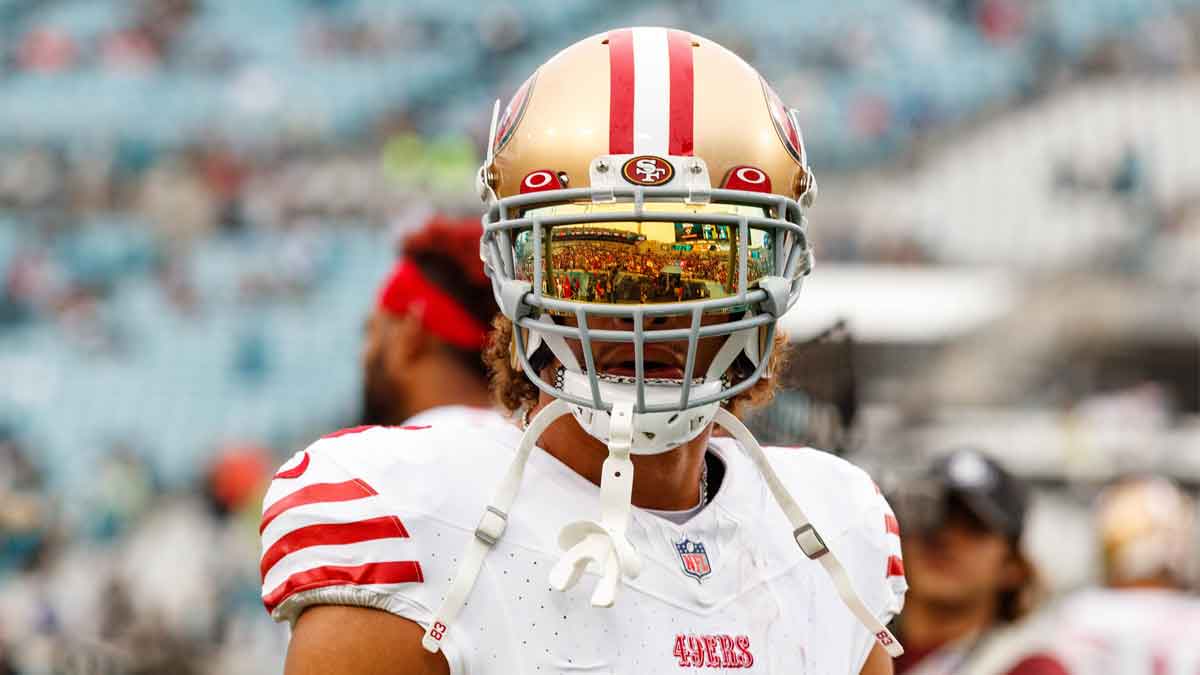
[793,259]
[793,253]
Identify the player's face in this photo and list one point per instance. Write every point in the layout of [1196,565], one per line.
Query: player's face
[665,360]
[960,563]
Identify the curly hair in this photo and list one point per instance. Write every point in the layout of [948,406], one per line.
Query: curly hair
[513,390]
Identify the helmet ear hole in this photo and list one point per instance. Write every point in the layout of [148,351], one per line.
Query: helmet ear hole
[742,368]
[540,358]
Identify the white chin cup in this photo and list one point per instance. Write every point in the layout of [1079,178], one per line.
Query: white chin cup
[653,432]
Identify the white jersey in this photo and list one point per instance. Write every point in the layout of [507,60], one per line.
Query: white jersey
[379,516]
[1130,632]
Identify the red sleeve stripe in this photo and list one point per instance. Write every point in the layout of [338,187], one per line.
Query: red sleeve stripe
[368,427]
[397,572]
[347,432]
[295,471]
[384,527]
[895,566]
[318,492]
[892,525]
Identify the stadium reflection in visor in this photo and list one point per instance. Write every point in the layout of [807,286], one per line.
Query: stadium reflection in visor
[644,262]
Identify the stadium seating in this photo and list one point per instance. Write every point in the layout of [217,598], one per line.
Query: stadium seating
[175,383]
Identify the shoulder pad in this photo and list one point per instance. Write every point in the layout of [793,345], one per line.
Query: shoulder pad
[364,509]
[854,518]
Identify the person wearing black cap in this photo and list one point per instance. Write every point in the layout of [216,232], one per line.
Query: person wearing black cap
[963,519]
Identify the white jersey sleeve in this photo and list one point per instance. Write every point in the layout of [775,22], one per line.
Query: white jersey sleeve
[858,526]
[378,516]
[328,537]
[363,515]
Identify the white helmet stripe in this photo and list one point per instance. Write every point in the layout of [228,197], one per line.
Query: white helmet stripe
[651,91]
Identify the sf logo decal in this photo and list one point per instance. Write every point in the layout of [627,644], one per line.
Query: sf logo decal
[647,170]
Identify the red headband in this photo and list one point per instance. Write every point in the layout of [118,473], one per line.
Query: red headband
[408,293]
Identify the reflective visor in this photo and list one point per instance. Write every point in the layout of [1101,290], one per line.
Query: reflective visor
[646,262]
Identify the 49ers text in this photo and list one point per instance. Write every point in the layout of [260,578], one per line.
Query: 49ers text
[713,651]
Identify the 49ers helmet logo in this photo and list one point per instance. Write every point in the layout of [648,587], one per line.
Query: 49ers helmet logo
[647,170]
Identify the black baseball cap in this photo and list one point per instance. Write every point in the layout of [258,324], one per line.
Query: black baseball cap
[972,479]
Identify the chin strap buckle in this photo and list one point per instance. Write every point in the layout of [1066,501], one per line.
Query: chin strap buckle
[491,526]
[810,541]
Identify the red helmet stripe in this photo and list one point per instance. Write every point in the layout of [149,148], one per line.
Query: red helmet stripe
[679,45]
[620,99]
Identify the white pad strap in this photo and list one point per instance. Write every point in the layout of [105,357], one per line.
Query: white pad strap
[806,536]
[490,529]
[735,344]
[604,542]
[556,343]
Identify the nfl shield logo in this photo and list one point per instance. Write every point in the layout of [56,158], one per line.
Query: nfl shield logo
[694,559]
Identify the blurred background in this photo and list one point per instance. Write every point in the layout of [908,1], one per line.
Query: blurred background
[198,199]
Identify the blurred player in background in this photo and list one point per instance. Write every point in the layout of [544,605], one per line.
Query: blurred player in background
[423,354]
[968,578]
[1145,621]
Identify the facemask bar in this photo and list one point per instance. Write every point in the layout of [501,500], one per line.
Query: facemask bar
[523,302]
[598,403]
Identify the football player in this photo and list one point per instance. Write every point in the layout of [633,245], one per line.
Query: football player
[644,230]
[423,353]
[1145,621]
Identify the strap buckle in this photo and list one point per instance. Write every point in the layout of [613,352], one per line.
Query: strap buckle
[491,526]
[810,541]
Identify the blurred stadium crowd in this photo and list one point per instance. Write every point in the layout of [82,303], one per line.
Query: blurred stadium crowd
[199,197]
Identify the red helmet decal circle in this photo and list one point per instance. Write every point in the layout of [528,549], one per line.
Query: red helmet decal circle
[540,180]
[745,177]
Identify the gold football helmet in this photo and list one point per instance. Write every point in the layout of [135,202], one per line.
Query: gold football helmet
[639,174]
[1146,528]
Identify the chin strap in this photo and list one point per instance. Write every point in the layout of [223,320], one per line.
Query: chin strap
[806,536]
[490,529]
[604,542]
[584,541]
